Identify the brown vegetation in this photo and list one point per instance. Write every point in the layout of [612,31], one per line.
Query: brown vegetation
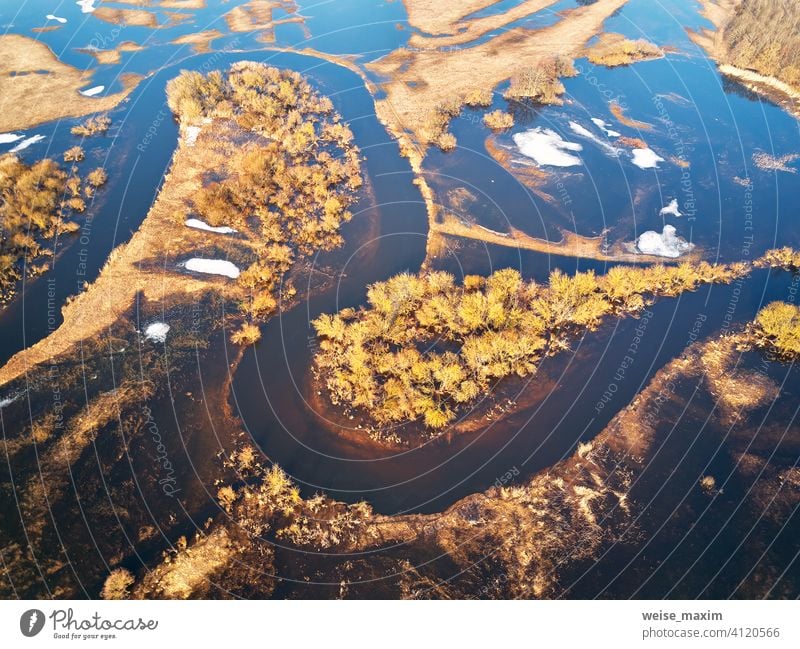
[762,35]
[498,120]
[97,125]
[768,162]
[737,390]
[133,17]
[200,41]
[520,540]
[469,30]
[571,244]
[435,17]
[256,15]
[183,4]
[256,121]
[74,154]
[291,193]
[632,142]
[117,584]
[114,56]
[785,258]
[777,328]
[425,89]
[542,84]
[612,50]
[35,205]
[756,42]
[474,335]
[619,114]
[36,87]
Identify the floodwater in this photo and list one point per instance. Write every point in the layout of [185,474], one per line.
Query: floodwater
[731,210]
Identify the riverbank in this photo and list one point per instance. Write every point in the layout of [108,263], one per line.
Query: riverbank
[32,76]
[713,41]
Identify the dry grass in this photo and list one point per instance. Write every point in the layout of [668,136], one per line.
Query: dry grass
[148,263]
[768,162]
[420,82]
[201,41]
[183,4]
[190,570]
[112,57]
[753,51]
[612,50]
[571,244]
[56,459]
[256,15]
[536,528]
[737,390]
[471,30]
[31,98]
[632,142]
[619,114]
[437,17]
[132,17]
[161,236]
[97,125]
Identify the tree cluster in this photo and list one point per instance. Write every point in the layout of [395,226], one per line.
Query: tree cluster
[289,190]
[35,204]
[424,346]
[777,328]
[541,84]
[614,49]
[763,35]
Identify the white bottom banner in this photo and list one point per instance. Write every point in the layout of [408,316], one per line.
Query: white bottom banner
[354,624]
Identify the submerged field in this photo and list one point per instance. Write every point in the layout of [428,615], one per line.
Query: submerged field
[414,300]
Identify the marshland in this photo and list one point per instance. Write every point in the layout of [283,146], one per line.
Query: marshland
[405,300]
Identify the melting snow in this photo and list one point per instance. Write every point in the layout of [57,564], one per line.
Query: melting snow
[157,332]
[27,142]
[202,225]
[8,138]
[672,208]
[213,267]
[87,6]
[547,147]
[666,244]
[56,18]
[91,92]
[599,123]
[646,158]
[7,401]
[191,133]
[584,132]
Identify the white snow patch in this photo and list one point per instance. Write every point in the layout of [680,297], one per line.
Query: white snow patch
[585,132]
[213,267]
[7,401]
[202,225]
[547,147]
[27,142]
[672,208]
[157,332]
[191,133]
[87,6]
[56,18]
[91,92]
[666,244]
[646,158]
[603,126]
[8,138]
